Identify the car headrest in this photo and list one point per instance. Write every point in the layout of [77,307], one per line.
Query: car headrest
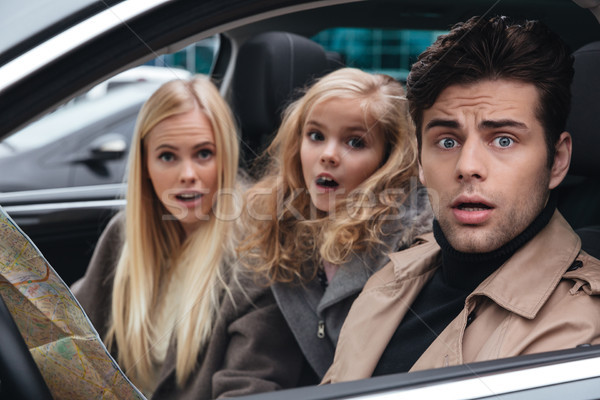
[584,120]
[269,68]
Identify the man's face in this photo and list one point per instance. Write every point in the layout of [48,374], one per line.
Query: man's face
[483,161]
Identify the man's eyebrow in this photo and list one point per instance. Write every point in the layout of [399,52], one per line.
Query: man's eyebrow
[487,124]
[501,123]
[445,123]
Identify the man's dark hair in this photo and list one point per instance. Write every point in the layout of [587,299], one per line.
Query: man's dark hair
[497,48]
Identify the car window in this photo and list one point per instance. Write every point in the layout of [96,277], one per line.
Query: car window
[76,116]
[63,141]
[196,58]
[388,51]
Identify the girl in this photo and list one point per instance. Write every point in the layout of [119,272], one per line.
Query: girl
[159,288]
[338,195]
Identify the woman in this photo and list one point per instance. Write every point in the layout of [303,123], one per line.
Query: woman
[339,194]
[162,288]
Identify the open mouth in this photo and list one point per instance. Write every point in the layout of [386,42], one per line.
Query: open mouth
[188,196]
[327,182]
[473,206]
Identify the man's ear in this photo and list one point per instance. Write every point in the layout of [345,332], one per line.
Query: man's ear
[562,160]
[422,175]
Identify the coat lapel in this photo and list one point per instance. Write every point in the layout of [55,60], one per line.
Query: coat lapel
[352,276]
[380,308]
[523,284]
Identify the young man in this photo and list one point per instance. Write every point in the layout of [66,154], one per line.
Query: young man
[502,274]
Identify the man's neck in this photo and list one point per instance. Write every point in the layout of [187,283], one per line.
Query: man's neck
[468,270]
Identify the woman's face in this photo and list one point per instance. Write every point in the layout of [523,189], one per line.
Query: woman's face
[182,165]
[339,150]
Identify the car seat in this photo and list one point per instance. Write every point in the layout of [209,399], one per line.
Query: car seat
[579,195]
[269,70]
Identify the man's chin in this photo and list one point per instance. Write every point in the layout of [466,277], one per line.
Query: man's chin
[475,247]
[477,240]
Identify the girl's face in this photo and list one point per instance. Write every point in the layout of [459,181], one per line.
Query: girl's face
[339,150]
[181,163]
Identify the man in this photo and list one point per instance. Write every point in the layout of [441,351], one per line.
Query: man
[502,274]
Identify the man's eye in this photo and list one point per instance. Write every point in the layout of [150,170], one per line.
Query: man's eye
[503,141]
[167,157]
[205,154]
[315,136]
[447,143]
[356,143]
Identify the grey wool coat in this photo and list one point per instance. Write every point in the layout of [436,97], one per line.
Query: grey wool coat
[316,315]
[251,349]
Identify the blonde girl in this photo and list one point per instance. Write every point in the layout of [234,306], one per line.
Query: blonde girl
[340,192]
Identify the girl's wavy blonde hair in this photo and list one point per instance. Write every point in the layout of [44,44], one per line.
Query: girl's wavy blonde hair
[286,237]
[154,244]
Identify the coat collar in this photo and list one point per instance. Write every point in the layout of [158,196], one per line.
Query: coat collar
[347,281]
[415,218]
[424,255]
[526,280]
[352,276]
[523,283]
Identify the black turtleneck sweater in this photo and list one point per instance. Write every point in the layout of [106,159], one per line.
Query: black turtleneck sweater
[443,297]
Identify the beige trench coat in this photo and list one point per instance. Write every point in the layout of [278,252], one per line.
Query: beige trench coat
[545,297]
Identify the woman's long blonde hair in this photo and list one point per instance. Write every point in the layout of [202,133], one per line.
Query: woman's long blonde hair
[283,231]
[155,241]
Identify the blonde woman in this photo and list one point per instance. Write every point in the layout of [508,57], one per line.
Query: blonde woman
[160,287]
[339,194]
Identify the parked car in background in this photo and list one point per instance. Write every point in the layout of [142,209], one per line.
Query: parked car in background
[135,75]
[66,115]
[84,142]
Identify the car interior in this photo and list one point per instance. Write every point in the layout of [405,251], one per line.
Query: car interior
[580,193]
[269,70]
[256,80]
[261,66]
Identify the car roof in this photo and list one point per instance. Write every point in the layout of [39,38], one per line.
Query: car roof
[574,24]
[33,21]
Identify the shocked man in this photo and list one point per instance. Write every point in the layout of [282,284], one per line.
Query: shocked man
[503,273]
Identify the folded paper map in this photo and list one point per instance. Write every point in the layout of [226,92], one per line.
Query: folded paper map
[73,360]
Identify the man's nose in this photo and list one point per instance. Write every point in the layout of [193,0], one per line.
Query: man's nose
[472,161]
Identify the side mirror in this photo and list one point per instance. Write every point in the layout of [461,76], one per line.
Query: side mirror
[111,146]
